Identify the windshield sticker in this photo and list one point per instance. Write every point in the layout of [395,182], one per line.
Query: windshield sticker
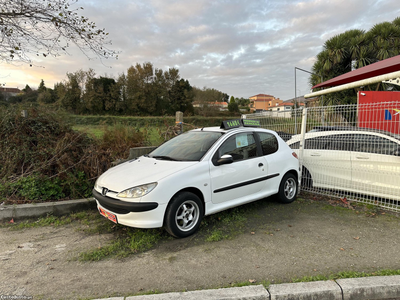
[241,141]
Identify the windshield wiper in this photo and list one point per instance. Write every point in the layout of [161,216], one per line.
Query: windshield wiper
[164,157]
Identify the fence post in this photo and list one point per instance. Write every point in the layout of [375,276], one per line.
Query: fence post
[302,143]
[179,119]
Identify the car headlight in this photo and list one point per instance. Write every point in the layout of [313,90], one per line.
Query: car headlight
[138,191]
[97,187]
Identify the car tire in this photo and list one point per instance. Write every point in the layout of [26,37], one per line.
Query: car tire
[183,215]
[288,189]
[306,179]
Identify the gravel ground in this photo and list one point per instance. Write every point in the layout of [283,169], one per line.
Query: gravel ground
[305,238]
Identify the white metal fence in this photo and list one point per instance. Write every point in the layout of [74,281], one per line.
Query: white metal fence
[347,151]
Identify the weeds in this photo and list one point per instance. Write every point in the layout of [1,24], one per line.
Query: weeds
[216,236]
[131,241]
[44,159]
[82,217]
[346,274]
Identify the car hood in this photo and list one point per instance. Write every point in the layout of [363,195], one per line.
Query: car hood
[140,171]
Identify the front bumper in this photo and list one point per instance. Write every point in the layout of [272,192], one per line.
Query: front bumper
[139,215]
[123,207]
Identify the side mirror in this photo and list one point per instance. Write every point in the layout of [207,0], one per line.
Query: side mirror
[225,159]
[397,152]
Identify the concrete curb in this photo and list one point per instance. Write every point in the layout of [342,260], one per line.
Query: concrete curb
[20,211]
[379,287]
[328,290]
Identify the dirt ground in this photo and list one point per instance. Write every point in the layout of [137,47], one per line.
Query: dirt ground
[305,238]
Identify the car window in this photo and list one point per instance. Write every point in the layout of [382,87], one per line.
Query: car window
[189,146]
[374,144]
[317,143]
[269,143]
[241,146]
[339,142]
[295,145]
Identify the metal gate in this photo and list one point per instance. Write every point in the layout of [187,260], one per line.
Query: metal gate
[347,151]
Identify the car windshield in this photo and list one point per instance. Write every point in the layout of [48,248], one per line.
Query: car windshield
[189,146]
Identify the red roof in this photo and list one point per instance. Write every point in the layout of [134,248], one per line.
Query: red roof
[261,95]
[10,90]
[379,68]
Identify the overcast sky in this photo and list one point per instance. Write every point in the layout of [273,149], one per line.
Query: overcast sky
[241,48]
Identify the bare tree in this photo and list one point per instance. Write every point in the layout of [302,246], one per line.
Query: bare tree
[31,28]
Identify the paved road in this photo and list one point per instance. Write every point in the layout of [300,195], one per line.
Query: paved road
[281,242]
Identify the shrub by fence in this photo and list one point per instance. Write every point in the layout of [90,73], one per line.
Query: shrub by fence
[44,159]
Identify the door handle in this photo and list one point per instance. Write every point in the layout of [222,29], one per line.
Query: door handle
[315,154]
[260,165]
[362,157]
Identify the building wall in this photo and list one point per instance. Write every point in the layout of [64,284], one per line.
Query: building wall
[263,102]
[9,92]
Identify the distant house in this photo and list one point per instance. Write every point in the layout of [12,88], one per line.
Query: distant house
[263,102]
[308,102]
[286,106]
[219,105]
[9,92]
[281,110]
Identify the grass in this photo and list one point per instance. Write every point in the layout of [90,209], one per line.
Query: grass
[96,131]
[347,274]
[83,217]
[216,236]
[131,242]
[152,134]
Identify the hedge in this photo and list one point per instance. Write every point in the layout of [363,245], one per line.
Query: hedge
[139,122]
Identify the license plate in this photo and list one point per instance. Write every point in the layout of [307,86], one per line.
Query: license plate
[108,215]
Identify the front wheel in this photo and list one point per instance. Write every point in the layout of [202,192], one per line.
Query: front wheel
[183,215]
[288,189]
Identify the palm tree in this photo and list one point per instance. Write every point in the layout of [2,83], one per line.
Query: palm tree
[355,49]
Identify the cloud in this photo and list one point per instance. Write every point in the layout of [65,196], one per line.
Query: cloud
[239,47]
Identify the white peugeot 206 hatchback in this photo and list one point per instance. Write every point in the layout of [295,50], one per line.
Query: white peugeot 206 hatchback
[198,173]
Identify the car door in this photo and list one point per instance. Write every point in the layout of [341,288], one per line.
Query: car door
[376,165]
[328,160]
[244,176]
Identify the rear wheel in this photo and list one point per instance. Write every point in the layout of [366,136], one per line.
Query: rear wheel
[306,179]
[288,189]
[183,215]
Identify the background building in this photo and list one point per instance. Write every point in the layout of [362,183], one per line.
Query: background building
[263,102]
[9,92]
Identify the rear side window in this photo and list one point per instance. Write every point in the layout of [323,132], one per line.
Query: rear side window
[374,144]
[269,143]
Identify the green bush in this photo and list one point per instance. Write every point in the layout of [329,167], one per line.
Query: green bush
[44,159]
[33,187]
